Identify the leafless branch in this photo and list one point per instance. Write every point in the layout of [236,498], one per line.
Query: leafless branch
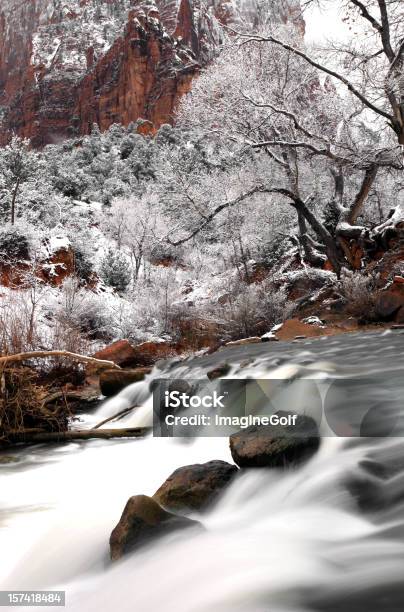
[325,69]
[209,218]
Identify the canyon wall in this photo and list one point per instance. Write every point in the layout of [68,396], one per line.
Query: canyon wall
[66,64]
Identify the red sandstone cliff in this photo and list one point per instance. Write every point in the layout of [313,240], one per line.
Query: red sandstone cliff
[51,92]
[65,65]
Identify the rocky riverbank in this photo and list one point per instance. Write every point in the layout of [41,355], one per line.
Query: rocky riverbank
[35,401]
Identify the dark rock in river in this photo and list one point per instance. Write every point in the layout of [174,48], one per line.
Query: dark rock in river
[113,381]
[221,370]
[400,315]
[275,446]
[142,520]
[194,487]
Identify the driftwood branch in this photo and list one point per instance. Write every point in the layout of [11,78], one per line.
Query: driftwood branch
[101,363]
[121,413]
[30,437]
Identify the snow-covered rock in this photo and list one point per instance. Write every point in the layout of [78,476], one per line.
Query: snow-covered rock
[313,320]
[269,337]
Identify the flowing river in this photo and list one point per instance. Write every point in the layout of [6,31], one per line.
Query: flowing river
[328,536]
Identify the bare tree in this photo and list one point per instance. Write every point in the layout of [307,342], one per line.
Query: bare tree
[134,223]
[371,65]
[269,99]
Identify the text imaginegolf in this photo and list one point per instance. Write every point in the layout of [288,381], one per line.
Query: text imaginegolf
[233,421]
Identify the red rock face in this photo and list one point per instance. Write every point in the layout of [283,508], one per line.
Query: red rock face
[185,26]
[142,75]
[64,68]
[16,48]
[136,78]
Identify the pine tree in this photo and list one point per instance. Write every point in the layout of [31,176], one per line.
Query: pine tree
[115,271]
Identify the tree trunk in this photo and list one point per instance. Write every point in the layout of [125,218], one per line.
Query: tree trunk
[311,255]
[362,195]
[17,185]
[339,187]
[244,260]
[329,242]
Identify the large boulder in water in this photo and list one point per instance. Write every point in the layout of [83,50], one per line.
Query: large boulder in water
[148,353]
[125,354]
[142,520]
[275,446]
[194,487]
[121,352]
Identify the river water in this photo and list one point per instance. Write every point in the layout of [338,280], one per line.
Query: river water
[328,536]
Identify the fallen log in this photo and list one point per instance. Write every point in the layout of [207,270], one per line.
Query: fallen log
[29,431]
[69,436]
[101,363]
[121,413]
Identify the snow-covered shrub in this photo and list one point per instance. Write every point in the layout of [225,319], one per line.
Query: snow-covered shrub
[141,160]
[166,135]
[93,319]
[113,188]
[127,146]
[17,166]
[70,182]
[81,244]
[149,311]
[126,321]
[83,264]
[273,251]
[360,293]
[251,310]
[14,244]
[68,338]
[19,329]
[114,270]
[83,310]
[241,314]
[274,305]
[115,134]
